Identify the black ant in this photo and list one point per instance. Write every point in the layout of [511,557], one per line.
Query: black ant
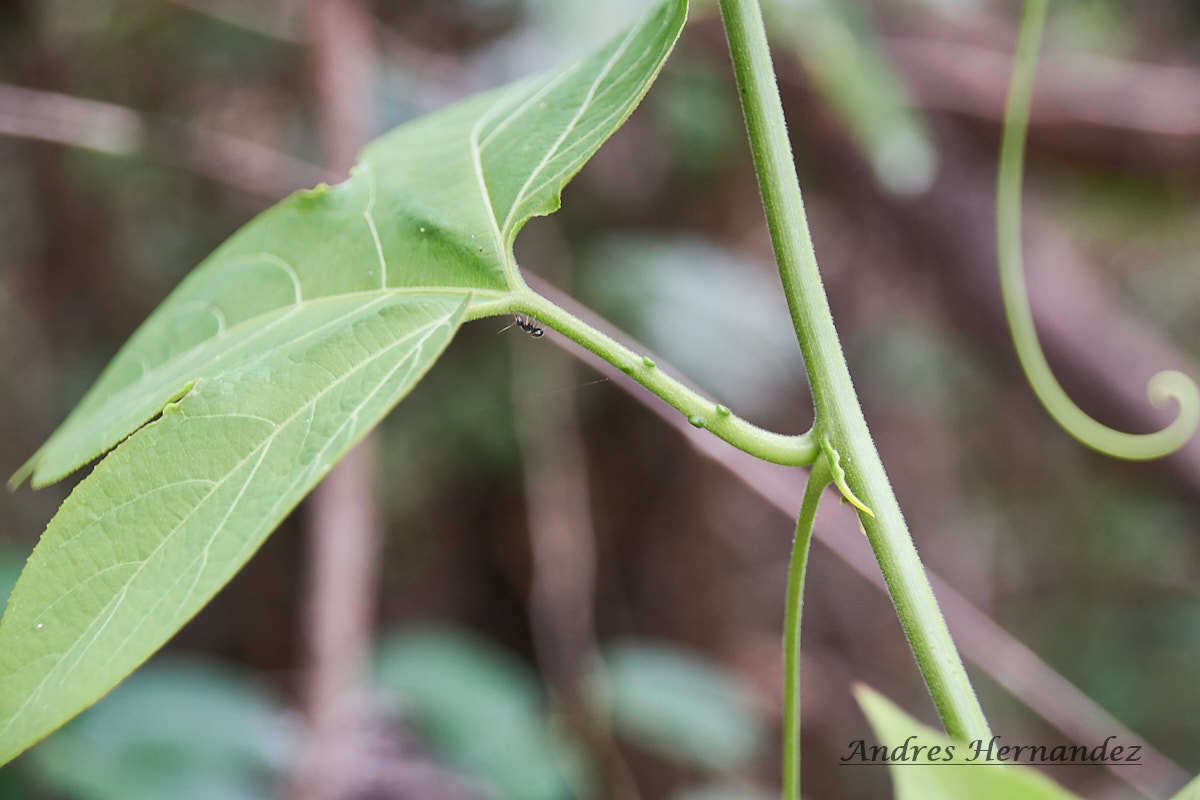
[526,324]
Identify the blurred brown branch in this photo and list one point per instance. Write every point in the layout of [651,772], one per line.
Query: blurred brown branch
[245,165]
[1071,89]
[343,523]
[563,549]
[73,121]
[1108,108]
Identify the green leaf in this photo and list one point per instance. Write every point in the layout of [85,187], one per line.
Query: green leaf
[433,206]
[948,780]
[163,522]
[274,356]
[480,709]
[676,704]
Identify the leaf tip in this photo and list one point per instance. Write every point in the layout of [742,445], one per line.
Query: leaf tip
[872,703]
[23,472]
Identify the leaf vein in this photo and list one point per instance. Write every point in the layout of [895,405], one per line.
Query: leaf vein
[368,215]
[583,107]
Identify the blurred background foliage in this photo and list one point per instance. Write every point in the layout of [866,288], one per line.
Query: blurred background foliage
[210,115]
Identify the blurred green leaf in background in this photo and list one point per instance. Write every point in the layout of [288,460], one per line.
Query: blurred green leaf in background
[178,729]
[481,709]
[675,703]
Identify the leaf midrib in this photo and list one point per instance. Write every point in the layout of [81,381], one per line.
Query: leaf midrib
[122,396]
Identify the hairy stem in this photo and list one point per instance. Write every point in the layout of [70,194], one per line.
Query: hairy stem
[798,450]
[838,414]
[818,479]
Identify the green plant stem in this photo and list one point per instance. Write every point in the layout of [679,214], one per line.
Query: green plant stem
[1163,386]
[818,479]
[798,450]
[838,414]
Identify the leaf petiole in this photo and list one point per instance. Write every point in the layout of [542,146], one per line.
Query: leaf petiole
[790,450]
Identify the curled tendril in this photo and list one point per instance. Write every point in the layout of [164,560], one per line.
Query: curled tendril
[1167,385]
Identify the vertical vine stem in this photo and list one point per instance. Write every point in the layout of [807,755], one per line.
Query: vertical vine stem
[818,479]
[838,414]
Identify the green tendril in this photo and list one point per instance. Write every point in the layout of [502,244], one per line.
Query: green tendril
[1164,386]
[818,479]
